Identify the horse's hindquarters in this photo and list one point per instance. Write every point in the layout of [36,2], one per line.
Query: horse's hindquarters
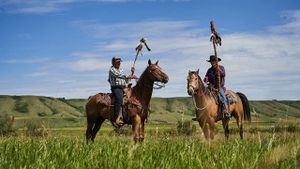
[94,108]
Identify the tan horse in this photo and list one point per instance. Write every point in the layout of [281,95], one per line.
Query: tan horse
[137,107]
[207,108]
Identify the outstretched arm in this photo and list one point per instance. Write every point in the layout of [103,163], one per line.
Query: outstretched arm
[132,75]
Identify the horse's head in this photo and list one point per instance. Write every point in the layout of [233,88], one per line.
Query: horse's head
[156,74]
[193,82]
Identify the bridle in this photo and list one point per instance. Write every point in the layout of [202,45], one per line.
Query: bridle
[193,95]
[157,85]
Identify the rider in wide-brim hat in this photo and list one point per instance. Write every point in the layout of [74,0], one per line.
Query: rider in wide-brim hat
[211,79]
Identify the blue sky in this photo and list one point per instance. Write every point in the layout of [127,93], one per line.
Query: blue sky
[63,48]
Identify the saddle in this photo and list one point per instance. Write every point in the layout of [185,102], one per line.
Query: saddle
[107,99]
[230,95]
[129,102]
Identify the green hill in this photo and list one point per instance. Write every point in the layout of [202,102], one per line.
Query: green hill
[38,106]
[163,110]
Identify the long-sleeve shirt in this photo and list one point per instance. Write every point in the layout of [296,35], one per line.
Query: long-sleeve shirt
[116,77]
[212,76]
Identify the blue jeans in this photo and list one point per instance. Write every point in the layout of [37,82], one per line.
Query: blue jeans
[224,98]
[118,96]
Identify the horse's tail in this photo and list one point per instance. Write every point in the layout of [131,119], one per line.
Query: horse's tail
[246,106]
[87,107]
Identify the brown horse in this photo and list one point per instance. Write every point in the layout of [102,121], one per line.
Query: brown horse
[137,109]
[207,108]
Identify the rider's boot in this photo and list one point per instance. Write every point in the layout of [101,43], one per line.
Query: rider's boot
[119,120]
[226,113]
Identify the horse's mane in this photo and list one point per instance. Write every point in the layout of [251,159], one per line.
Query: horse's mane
[141,85]
[142,76]
[205,90]
[140,79]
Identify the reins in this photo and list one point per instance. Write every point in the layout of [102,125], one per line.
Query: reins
[193,97]
[159,85]
[195,105]
[156,85]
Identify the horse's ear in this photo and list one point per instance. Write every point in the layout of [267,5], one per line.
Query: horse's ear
[149,62]
[129,85]
[156,62]
[197,72]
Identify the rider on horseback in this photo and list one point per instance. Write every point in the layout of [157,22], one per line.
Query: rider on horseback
[118,81]
[211,79]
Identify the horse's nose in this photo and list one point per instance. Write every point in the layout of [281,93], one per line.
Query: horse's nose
[166,80]
[190,91]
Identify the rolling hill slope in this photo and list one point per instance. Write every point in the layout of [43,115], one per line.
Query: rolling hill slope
[38,106]
[163,110]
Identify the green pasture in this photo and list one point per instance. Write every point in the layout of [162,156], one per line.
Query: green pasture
[271,144]
[271,140]
[257,150]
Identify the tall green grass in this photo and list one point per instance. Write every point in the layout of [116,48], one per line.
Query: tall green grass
[257,151]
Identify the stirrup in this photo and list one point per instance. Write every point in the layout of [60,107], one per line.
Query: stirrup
[119,121]
[226,115]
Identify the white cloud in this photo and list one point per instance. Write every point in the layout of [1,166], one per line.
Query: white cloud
[27,60]
[89,65]
[262,65]
[292,25]
[38,74]
[153,29]
[48,6]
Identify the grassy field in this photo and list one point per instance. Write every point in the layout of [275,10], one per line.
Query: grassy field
[268,145]
[257,150]
[272,140]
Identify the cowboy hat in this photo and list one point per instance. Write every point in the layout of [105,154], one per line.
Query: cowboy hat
[212,58]
[116,59]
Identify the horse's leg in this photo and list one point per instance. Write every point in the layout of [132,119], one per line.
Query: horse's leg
[212,126]
[205,129]
[89,130]
[225,127]
[142,131]
[136,127]
[239,122]
[96,127]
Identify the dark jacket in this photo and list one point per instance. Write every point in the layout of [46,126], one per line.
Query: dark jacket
[211,76]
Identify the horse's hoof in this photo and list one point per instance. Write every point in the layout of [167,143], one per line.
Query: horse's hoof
[136,139]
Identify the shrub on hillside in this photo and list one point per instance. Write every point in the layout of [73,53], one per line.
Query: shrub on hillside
[186,127]
[36,129]
[291,128]
[21,106]
[6,126]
